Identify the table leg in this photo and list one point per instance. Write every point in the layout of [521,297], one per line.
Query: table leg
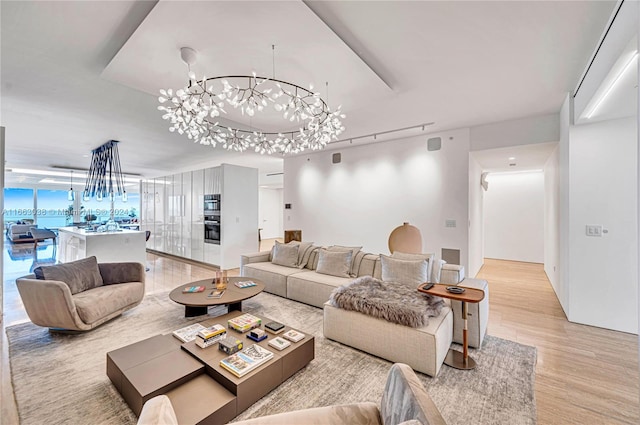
[455,358]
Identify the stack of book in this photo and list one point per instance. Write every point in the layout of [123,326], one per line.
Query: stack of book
[244,323]
[211,335]
[246,360]
[245,284]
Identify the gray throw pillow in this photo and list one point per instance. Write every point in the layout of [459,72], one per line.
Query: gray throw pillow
[285,254]
[406,272]
[416,257]
[354,250]
[79,275]
[336,263]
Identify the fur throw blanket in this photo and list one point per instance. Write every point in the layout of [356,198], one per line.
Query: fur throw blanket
[393,302]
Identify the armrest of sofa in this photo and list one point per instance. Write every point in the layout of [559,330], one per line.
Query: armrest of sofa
[49,303]
[405,398]
[451,274]
[158,410]
[357,413]
[113,273]
[256,257]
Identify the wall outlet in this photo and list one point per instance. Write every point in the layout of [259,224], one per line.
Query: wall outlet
[594,230]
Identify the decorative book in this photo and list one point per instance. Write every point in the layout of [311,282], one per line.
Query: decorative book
[192,289]
[246,360]
[274,327]
[212,331]
[230,345]
[216,293]
[294,336]
[279,343]
[245,284]
[244,323]
[204,343]
[188,333]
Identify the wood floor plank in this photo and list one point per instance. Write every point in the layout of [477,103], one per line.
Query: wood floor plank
[584,374]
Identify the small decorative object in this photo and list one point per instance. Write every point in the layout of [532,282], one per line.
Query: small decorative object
[230,345]
[112,226]
[405,238]
[257,335]
[279,343]
[274,327]
[294,336]
[455,289]
[221,280]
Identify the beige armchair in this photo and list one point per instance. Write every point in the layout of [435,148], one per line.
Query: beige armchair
[82,294]
[404,401]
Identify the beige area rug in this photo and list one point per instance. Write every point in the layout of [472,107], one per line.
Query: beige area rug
[61,379]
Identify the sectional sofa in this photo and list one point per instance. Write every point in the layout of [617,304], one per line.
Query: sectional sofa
[425,347]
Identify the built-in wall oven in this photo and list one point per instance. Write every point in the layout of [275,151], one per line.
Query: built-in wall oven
[212,229]
[212,204]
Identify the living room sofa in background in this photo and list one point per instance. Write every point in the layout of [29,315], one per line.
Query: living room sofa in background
[426,347]
[81,295]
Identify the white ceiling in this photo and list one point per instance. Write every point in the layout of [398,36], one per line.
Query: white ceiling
[458,64]
[523,157]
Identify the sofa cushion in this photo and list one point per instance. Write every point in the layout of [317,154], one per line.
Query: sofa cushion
[100,302]
[405,399]
[336,263]
[365,413]
[354,251]
[411,273]
[313,288]
[79,275]
[285,254]
[274,276]
[429,258]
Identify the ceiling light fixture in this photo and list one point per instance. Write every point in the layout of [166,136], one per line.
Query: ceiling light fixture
[70,195]
[105,177]
[194,110]
[604,95]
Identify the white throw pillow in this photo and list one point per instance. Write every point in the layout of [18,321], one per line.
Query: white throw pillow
[416,257]
[436,270]
[406,272]
[334,263]
[285,254]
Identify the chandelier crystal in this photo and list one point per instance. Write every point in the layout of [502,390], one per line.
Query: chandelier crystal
[194,111]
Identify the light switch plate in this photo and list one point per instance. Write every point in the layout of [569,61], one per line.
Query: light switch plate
[594,230]
[449,223]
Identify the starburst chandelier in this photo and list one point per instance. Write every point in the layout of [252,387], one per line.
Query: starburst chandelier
[194,111]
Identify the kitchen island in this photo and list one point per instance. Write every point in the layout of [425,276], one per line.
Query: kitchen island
[123,245]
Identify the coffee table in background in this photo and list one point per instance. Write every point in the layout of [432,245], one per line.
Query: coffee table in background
[196,303]
[455,358]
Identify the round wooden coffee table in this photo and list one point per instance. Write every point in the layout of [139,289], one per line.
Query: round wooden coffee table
[195,304]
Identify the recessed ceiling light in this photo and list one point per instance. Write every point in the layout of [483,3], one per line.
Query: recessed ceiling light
[512,158]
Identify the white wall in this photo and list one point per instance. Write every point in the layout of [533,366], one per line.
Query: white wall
[563,285]
[476,218]
[514,217]
[552,218]
[271,210]
[523,131]
[378,187]
[603,182]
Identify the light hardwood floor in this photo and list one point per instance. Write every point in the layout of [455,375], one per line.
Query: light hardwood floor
[584,375]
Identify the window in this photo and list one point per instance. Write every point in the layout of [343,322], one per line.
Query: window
[18,204]
[54,209]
